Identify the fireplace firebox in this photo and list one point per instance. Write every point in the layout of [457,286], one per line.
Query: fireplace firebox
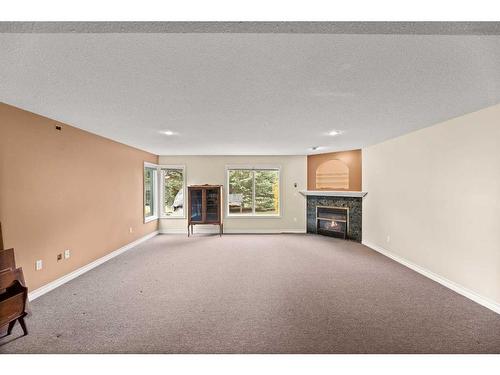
[332,221]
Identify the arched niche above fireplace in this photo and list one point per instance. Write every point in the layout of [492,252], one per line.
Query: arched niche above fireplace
[334,171]
[332,175]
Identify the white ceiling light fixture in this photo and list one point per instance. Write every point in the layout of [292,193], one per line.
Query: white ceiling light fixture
[333,133]
[167,132]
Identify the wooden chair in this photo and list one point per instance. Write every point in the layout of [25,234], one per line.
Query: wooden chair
[8,262]
[13,291]
[13,296]
[1,237]
[7,259]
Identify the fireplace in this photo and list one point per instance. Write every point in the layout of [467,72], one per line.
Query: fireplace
[350,201]
[332,221]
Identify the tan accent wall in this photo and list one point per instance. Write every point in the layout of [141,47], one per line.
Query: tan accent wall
[434,199]
[66,189]
[351,158]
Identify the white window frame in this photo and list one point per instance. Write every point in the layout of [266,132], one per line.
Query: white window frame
[182,167]
[154,216]
[255,167]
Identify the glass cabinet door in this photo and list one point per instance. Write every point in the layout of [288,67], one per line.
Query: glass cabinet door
[212,200]
[196,205]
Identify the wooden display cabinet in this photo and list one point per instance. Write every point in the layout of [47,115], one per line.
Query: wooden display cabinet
[205,206]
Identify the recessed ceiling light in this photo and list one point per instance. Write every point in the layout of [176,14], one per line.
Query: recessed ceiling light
[334,132]
[167,132]
[314,148]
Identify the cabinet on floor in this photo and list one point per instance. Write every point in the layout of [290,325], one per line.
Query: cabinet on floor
[205,206]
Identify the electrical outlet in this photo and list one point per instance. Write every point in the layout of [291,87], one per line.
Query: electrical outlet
[388,239]
[130,230]
[38,265]
[59,257]
[67,254]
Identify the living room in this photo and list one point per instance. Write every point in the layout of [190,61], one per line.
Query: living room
[249,188]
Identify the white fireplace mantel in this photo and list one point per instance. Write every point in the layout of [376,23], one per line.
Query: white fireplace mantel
[334,193]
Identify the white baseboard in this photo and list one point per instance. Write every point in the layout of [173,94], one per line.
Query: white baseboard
[215,230]
[264,231]
[70,276]
[484,301]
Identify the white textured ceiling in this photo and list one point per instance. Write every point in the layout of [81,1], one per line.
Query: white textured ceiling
[226,93]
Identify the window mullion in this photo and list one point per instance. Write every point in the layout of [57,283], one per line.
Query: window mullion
[253,192]
[161,192]
[155,192]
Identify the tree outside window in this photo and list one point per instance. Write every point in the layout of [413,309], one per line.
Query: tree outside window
[254,192]
[173,192]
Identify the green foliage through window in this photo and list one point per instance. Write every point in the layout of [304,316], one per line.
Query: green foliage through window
[173,191]
[253,192]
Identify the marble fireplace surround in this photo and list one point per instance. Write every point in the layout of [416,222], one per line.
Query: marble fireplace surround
[350,199]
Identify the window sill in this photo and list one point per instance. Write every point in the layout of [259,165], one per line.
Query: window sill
[173,217]
[253,216]
[150,218]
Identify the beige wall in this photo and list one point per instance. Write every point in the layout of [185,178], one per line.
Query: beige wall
[350,158]
[211,170]
[436,193]
[66,189]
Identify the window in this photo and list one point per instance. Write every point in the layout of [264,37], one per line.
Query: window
[253,191]
[172,199]
[150,192]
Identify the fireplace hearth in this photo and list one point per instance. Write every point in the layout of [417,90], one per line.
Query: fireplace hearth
[332,221]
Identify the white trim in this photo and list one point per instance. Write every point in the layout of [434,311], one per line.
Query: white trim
[182,167]
[150,165]
[155,193]
[253,166]
[253,194]
[150,218]
[264,231]
[215,230]
[253,216]
[484,301]
[70,276]
[334,193]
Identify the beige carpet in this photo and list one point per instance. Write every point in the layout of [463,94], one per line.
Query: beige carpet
[254,294]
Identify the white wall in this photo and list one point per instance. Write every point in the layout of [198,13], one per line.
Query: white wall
[436,193]
[212,170]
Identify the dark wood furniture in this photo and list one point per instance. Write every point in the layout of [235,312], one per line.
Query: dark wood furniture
[8,263]
[205,206]
[13,291]
[7,259]
[13,296]
[1,237]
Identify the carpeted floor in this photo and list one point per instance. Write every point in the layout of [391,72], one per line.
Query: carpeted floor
[254,294]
